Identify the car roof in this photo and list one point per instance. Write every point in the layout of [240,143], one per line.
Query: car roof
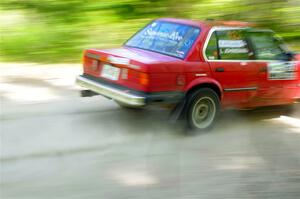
[208,23]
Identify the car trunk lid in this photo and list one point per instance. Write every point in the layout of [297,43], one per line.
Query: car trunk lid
[129,67]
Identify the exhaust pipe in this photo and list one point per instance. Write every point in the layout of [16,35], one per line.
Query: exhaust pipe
[87,93]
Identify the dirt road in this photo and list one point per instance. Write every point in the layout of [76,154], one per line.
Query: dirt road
[55,144]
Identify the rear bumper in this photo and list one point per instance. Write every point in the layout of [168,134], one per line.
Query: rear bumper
[126,95]
[111,92]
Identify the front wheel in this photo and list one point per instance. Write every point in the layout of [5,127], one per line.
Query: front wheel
[203,109]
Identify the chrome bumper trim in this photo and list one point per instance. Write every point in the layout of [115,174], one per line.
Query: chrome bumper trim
[110,92]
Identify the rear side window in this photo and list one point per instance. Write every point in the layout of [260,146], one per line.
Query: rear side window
[228,45]
[266,46]
[232,45]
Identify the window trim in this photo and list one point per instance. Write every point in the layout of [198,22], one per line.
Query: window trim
[222,28]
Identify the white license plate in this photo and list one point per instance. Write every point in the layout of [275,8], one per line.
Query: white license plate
[110,72]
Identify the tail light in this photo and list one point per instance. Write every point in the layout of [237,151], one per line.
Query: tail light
[134,76]
[124,73]
[144,79]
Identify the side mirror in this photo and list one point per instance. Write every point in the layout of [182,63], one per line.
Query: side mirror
[287,56]
[290,55]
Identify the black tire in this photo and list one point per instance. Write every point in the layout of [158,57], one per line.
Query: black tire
[203,109]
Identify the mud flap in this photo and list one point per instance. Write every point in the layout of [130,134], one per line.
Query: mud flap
[178,111]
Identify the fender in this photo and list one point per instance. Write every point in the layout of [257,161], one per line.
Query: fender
[203,80]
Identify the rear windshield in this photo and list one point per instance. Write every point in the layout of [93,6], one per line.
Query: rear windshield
[166,38]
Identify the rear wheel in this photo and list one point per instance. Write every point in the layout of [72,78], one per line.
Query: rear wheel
[203,109]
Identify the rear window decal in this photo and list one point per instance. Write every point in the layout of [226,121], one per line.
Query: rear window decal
[174,36]
[166,38]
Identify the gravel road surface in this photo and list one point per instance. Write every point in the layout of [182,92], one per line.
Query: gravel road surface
[55,144]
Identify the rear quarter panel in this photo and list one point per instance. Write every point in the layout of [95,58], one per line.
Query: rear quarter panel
[164,77]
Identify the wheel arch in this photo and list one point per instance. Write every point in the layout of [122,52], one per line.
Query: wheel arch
[208,83]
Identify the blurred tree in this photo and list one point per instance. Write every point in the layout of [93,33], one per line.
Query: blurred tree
[58,30]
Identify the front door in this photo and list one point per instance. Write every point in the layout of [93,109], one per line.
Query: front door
[278,76]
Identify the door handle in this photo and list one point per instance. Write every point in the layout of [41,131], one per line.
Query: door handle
[220,70]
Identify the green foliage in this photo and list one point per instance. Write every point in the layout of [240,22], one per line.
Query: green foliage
[58,30]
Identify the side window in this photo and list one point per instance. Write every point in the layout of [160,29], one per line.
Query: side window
[212,48]
[232,45]
[266,47]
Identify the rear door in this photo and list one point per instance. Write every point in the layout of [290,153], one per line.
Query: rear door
[278,76]
[230,59]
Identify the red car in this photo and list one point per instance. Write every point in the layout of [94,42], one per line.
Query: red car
[200,66]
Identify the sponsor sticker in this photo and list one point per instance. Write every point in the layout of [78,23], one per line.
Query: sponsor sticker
[234,50]
[232,43]
[173,36]
[282,71]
